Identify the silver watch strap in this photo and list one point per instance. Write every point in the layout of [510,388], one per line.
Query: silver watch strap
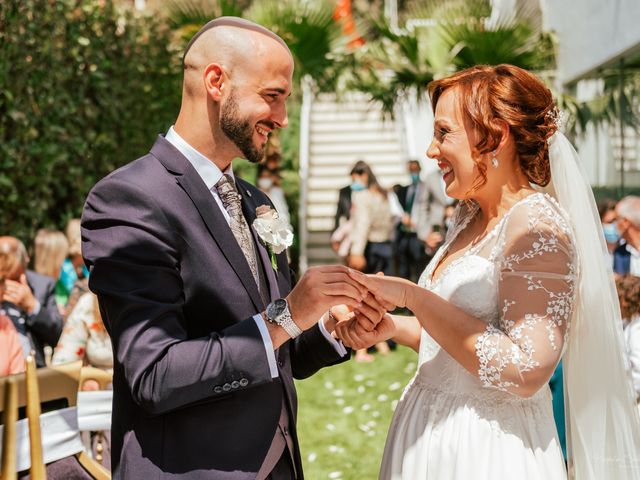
[289,325]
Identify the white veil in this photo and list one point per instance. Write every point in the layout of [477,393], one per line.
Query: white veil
[603,426]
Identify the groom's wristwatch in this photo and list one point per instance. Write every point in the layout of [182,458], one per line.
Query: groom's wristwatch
[278,313]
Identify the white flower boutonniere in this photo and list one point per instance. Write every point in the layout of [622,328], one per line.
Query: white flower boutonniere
[274,231]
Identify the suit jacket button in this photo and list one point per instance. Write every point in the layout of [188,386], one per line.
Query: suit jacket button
[235,384]
[226,387]
[217,389]
[280,363]
[244,382]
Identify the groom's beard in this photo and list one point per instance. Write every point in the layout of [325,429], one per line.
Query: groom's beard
[239,131]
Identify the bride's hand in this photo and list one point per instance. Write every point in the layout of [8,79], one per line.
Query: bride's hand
[391,290]
[354,333]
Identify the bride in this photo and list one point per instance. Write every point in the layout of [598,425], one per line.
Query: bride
[519,282]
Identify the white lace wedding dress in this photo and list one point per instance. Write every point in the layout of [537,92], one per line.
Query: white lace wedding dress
[489,424]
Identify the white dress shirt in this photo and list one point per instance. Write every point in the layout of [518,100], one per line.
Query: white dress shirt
[211,174]
[634,264]
[632,347]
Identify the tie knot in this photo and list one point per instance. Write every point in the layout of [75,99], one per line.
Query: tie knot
[226,188]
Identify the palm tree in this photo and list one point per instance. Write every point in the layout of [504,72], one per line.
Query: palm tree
[450,36]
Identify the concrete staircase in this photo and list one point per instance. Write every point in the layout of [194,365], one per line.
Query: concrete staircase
[334,135]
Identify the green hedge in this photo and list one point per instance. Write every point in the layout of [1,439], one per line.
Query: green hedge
[84,88]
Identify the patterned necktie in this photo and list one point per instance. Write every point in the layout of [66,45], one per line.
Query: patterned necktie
[231,201]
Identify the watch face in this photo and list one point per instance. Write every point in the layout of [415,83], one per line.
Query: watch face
[275,308]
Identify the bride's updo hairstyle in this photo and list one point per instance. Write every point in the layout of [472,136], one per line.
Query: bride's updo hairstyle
[519,98]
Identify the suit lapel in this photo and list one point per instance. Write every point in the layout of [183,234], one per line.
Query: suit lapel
[194,187]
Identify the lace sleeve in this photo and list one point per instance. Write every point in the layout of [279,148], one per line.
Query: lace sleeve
[536,288]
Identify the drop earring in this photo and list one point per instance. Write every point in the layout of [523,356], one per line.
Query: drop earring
[494,160]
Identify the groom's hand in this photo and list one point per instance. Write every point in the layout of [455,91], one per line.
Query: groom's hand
[319,289]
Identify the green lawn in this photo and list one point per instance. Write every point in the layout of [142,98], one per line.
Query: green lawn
[344,414]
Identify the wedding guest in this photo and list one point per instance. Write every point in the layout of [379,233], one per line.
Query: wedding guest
[50,249]
[269,182]
[74,275]
[628,287]
[29,300]
[371,235]
[340,241]
[626,258]
[11,352]
[607,212]
[84,336]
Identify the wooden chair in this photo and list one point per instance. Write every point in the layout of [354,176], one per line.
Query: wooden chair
[55,386]
[9,452]
[104,380]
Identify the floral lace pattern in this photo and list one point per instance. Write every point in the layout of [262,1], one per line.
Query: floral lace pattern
[536,290]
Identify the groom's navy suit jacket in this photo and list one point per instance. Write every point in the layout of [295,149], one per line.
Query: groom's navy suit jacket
[193,394]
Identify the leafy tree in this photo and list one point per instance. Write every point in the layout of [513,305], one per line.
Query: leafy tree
[84,88]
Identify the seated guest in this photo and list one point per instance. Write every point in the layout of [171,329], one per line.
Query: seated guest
[11,354]
[28,300]
[50,249]
[75,274]
[84,336]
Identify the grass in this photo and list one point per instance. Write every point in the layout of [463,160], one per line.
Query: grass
[344,414]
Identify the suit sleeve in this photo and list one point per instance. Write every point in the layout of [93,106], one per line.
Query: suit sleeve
[47,323]
[135,271]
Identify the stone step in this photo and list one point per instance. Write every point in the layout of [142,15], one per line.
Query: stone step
[377,147]
[329,183]
[319,224]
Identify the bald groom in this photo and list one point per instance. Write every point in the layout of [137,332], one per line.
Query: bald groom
[207,335]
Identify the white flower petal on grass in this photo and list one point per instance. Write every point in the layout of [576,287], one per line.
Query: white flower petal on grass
[358,377]
[370,433]
[365,428]
[312,457]
[335,475]
[372,423]
[328,385]
[347,410]
[331,427]
[333,448]
[375,414]
[394,386]
[382,397]
[338,393]
[410,367]
[370,383]
[361,389]
[340,401]
[366,407]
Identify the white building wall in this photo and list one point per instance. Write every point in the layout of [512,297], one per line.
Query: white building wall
[591,33]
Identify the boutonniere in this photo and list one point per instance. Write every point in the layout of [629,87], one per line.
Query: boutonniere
[274,231]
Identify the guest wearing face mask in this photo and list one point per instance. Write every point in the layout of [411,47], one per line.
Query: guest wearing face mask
[607,211]
[626,258]
[340,241]
[269,183]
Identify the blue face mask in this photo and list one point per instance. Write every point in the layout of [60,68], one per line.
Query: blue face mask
[415,178]
[357,186]
[611,234]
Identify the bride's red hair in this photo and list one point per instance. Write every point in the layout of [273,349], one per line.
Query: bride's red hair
[512,94]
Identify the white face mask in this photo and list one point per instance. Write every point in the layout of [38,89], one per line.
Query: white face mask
[265,183]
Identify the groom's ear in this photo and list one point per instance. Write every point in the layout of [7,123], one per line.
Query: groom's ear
[213,81]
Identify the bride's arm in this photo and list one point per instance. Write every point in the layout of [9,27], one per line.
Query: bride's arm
[535,299]
[407,331]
